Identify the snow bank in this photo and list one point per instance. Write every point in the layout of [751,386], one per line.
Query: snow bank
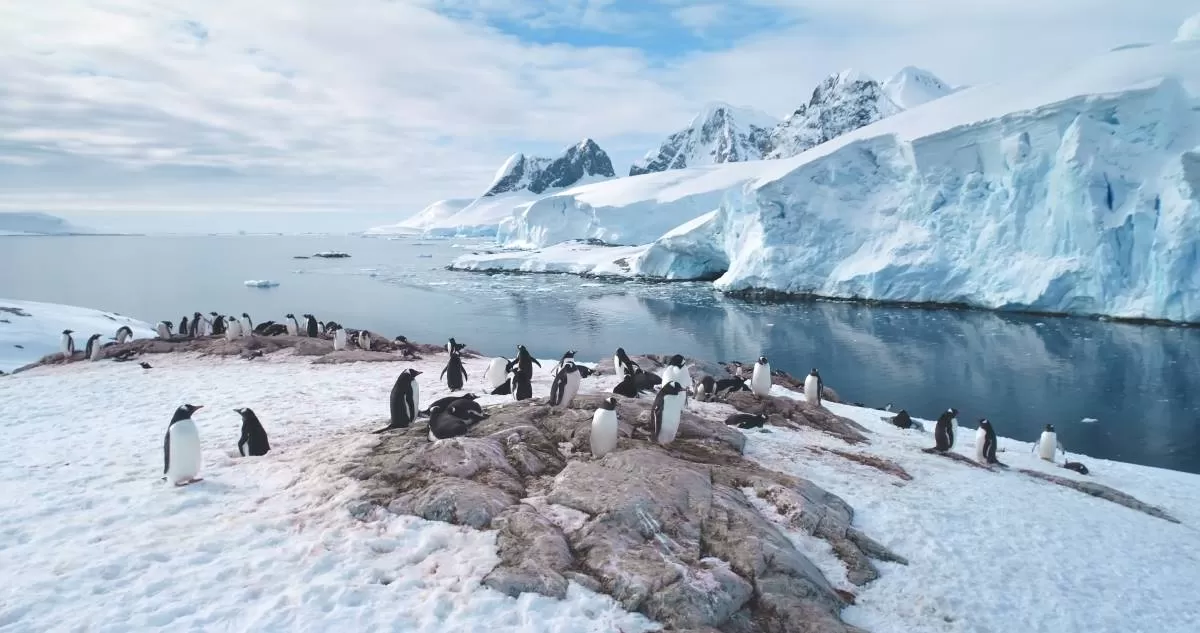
[37,329]
[428,217]
[261,283]
[578,258]
[1189,31]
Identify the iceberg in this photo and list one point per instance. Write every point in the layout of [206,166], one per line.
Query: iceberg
[260,283]
[575,257]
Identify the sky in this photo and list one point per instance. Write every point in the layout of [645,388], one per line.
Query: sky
[380,107]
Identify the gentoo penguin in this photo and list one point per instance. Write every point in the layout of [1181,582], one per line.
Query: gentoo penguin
[66,344]
[525,362]
[519,385]
[454,346]
[201,324]
[181,447]
[339,339]
[442,403]
[234,329]
[404,401]
[706,389]
[364,340]
[985,443]
[454,420]
[218,323]
[185,328]
[310,326]
[454,372]
[813,387]
[293,326]
[943,431]
[164,329]
[144,365]
[248,325]
[123,334]
[621,363]
[193,326]
[604,428]
[645,380]
[566,385]
[1047,444]
[760,380]
[746,420]
[92,351]
[253,442]
[496,373]
[674,372]
[664,414]
[627,387]
[569,355]
[902,420]
[730,385]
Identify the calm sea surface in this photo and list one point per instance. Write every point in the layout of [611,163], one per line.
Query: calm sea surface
[1140,384]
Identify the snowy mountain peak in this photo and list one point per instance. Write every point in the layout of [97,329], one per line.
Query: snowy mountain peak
[719,133]
[912,86]
[537,174]
[841,103]
[1190,30]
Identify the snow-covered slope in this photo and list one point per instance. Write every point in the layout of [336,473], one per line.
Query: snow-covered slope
[429,216]
[33,223]
[1070,190]
[911,86]
[30,330]
[840,104]
[720,133]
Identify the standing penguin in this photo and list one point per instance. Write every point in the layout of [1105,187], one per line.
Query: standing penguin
[181,447]
[496,373]
[519,385]
[604,428]
[194,326]
[760,380]
[664,414]
[814,387]
[66,343]
[253,442]
[943,430]
[621,363]
[185,328]
[454,372]
[92,351]
[218,323]
[310,326]
[234,329]
[404,401]
[123,334]
[674,372]
[706,389]
[568,356]
[293,326]
[525,362]
[164,329]
[1047,444]
[339,339]
[985,443]
[566,385]
[249,324]
[364,340]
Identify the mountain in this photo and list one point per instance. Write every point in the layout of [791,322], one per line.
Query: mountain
[842,103]
[911,87]
[1073,189]
[721,133]
[33,223]
[529,173]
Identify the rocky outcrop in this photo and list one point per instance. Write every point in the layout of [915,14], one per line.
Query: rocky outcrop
[1103,492]
[539,175]
[721,133]
[791,413]
[840,104]
[666,531]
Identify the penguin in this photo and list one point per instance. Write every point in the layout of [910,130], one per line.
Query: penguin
[569,355]
[566,385]
[201,325]
[518,384]
[93,347]
[453,421]
[730,385]
[604,428]
[67,343]
[985,443]
[585,371]
[442,403]
[181,447]
[164,329]
[253,442]
[218,324]
[496,373]
[814,387]
[943,431]
[320,327]
[264,328]
[525,362]
[310,326]
[234,330]
[123,334]
[249,326]
[645,380]
[455,346]
[339,339]
[706,389]
[621,363]
[760,380]
[674,372]
[1047,444]
[664,414]
[902,420]
[404,401]
[746,420]
[454,372]
[627,387]
[193,325]
[364,340]
[293,326]
[144,365]
[1076,466]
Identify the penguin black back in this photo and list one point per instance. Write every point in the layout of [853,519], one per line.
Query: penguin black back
[943,431]
[403,400]
[746,420]
[520,386]
[627,388]
[253,442]
[525,361]
[902,420]
[454,372]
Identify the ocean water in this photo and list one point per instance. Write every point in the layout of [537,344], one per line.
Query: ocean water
[1140,384]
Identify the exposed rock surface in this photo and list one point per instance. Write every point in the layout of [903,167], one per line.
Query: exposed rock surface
[791,413]
[1103,492]
[539,175]
[666,531]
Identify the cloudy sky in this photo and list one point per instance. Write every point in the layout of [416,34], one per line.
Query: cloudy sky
[385,106]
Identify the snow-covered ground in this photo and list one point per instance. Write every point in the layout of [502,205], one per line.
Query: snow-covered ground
[34,223]
[37,329]
[577,258]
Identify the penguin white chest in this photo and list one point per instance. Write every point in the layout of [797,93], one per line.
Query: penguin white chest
[570,389]
[672,407]
[339,340]
[184,448]
[604,432]
[65,343]
[495,373]
[416,403]
[760,380]
[1047,444]
[618,369]
[980,442]
[292,330]
[812,390]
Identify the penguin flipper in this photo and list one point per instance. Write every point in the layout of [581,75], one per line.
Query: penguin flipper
[443,374]
[166,451]
[464,371]
[535,361]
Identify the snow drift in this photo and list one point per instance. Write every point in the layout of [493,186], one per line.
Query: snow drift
[37,329]
[1070,191]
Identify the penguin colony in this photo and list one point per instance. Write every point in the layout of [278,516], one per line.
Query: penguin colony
[454,416]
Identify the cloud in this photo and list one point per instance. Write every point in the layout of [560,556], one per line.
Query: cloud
[375,104]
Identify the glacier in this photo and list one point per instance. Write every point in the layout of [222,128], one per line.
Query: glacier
[36,223]
[1073,190]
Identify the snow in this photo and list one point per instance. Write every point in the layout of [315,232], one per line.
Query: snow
[260,283]
[92,540]
[1189,31]
[1068,190]
[578,258]
[911,87]
[33,223]
[37,327]
[428,217]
